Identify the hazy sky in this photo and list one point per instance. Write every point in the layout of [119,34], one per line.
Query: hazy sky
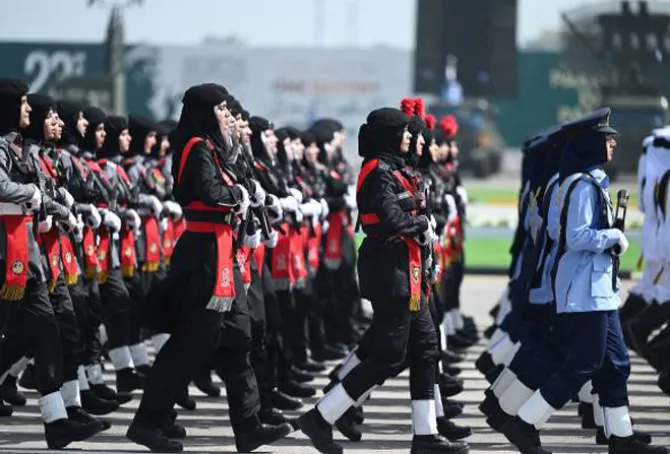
[257,22]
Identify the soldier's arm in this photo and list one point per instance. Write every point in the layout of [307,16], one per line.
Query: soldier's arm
[10,191]
[55,209]
[579,234]
[209,186]
[385,204]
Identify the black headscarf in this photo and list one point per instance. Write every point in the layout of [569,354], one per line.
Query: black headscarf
[42,106]
[583,152]
[382,133]
[95,118]
[198,118]
[259,125]
[324,135]
[69,111]
[165,130]
[415,127]
[11,92]
[114,126]
[139,128]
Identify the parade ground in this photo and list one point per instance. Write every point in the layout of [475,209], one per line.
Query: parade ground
[388,423]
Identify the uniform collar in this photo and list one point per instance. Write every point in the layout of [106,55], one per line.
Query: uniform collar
[600,176]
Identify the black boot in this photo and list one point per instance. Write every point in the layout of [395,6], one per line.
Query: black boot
[311,366]
[259,436]
[295,389]
[449,386]
[460,342]
[284,402]
[523,435]
[634,305]
[488,332]
[127,381]
[174,431]
[96,405]
[664,381]
[359,415]
[642,437]
[332,375]
[451,431]
[329,354]
[658,352]
[485,364]
[107,393]
[492,376]
[489,403]
[27,380]
[319,432]
[10,393]
[6,410]
[347,425]
[62,432]
[451,410]
[205,384]
[642,325]
[631,445]
[153,438]
[185,401]
[585,410]
[301,376]
[435,444]
[272,416]
[450,356]
[78,414]
[452,370]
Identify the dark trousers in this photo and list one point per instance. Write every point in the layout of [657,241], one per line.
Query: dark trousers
[285,358]
[31,326]
[395,334]
[259,356]
[117,307]
[535,331]
[85,297]
[232,362]
[274,323]
[73,348]
[594,351]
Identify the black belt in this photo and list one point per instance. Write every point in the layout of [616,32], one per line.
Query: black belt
[209,216]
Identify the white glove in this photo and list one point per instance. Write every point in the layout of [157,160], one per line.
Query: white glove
[253,241]
[274,209]
[324,208]
[156,205]
[111,220]
[79,231]
[451,207]
[295,193]
[68,200]
[350,200]
[426,236]
[45,225]
[133,220]
[463,194]
[258,197]
[325,226]
[272,241]
[173,209]
[91,215]
[164,224]
[35,202]
[289,204]
[623,242]
[311,208]
[70,224]
[244,203]
[434,272]
[299,217]
[433,222]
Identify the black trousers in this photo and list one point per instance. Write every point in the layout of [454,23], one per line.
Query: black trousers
[285,358]
[85,295]
[117,307]
[31,326]
[259,355]
[274,323]
[139,286]
[233,364]
[395,338]
[73,348]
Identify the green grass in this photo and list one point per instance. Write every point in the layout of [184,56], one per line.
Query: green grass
[493,252]
[509,195]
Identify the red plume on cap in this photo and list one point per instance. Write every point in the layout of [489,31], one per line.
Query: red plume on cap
[430,121]
[449,126]
[419,108]
[407,106]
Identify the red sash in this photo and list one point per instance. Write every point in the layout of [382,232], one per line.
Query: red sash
[70,267]
[244,262]
[102,253]
[333,245]
[313,243]
[259,257]
[52,252]
[169,240]
[128,258]
[280,265]
[90,256]
[18,256]
[297,267]
[179,228]
[152,237]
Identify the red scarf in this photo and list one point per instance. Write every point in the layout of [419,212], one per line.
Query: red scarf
[70,267]
[128,259]
[313,243]
[297,268]
[280,265]
[259,257]
[169,240]
[103,254]
[90,256]
[18,256]
[52,252]
[333,246]
[152,235]
[244,262]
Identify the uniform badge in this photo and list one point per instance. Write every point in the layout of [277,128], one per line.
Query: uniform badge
[54,260]
[332,246]
[153,248]
[168,243]
[18,267]
[225,278]
[416,273]
[101,255]
[240,258]
[90,250]
[68,258]
[281,262]
[127,251]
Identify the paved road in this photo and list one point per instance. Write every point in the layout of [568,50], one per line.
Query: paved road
[388,419]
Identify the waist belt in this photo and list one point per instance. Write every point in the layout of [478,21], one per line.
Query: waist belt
[211,217]
[11,209]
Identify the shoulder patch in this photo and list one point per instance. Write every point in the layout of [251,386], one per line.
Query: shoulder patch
[383,165]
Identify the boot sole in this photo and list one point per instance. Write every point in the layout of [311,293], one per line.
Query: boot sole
[134,439]
[318,446]
[286,429]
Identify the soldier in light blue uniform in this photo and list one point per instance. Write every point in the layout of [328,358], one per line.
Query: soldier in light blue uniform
[587,296]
